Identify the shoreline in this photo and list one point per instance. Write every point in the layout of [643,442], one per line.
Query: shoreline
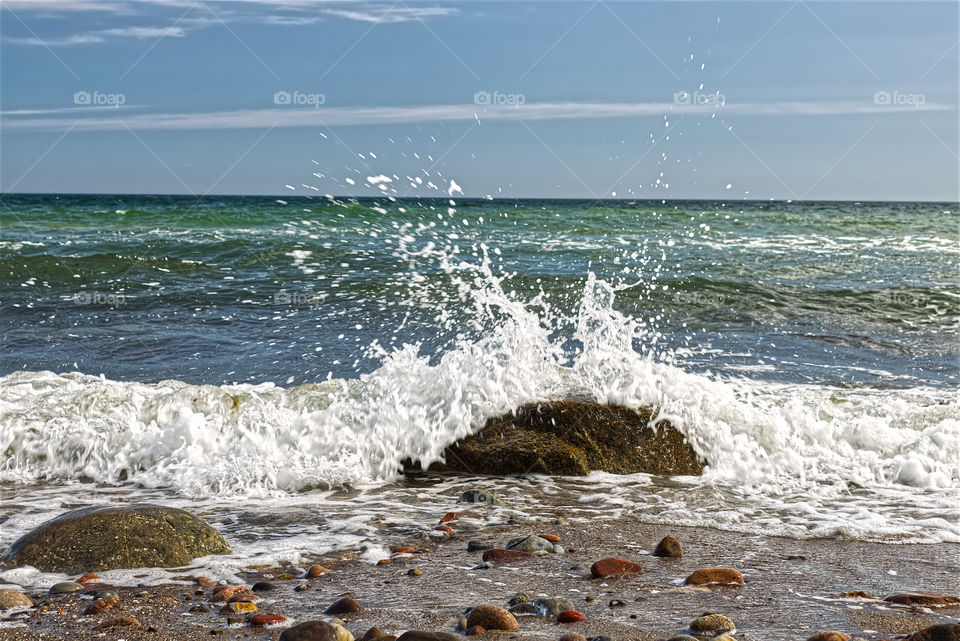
[791,588]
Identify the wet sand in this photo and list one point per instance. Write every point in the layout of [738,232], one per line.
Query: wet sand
[791,589]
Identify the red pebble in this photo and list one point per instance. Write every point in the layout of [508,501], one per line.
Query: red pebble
[266,619]
[403,549]
[86,578]
[507,556]
[450,516]
[570,616]
[611,568]
[446,528]
[99,606]
[315,571]
[553,538]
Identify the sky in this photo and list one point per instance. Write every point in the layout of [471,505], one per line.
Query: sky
[570,99]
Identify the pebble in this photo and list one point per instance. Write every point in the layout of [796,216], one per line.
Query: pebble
[263,586]
[99,606]
[616,603]
[942,632]
[474,631]
[107,594]
[572,637]
[414,572]
[602,638]
[532,543]
[553,538]
[507,556]
[554,607]
[205,582]
[450,516]
[118,622]
[520,597]
[610,568]
[67,587]
[342,633]
[706,576]
[446,529]
[478,546]
[301,588]
[310,631]
[668,548]
[421,635]
[830,635]
[226,592]
[344,606]
[376,634]
[87,578]
[712,623]
[238,607]
[570,616]
[266,619]
[403,549]
[922,598]
[315,571]
[683,637]
[492,617]
[10,599]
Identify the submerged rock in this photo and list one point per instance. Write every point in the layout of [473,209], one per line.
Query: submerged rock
[109,538]
[572,438]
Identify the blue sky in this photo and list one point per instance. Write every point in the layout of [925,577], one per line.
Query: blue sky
[802,100]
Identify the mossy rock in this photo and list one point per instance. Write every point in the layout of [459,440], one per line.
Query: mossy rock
[108,538]
[572,438]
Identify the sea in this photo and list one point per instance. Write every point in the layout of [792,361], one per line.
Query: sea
[271,362]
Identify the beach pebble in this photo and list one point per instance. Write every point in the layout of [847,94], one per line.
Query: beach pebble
[450,516]
[238,607]
[942,632]
[446,529]
[118,622]
[316,571]
[227,592]
[376,634]
[668,548]
[492,617]
[474,631]
[553,538]
[342,633]
[106,594]
[87,578]
[403,549]
[266,619]
[532,543]
[602,638]
[572,637]
[414,572]
[614,568]
[67,587]
[554,607]
[420,635]
[570,616]
[344,607]
[520,597]
[99,606]
[922,598]
[683,637]
[507,556]
[830,635]
[712,623]
[478,546]
[10,599]
[706,576]
[263,586]
[310,631]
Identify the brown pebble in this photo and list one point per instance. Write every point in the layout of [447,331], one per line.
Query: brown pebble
[611,568]
[507,556]
[572,637]
[315,571]
[238,607]
[492,617]
[553,538]
[414,572]
[449,516]
[376,634]
[87,578]
[570,616]
[225,593]
[668,548]
[384,561]
[446,529]
[266,619]
[830,635]
[205,582]
[942,632]
[344,607]
[99,606]
[590,598]
[118,622]
[403,549]
[310,631]
[922,598]
[706,576]
[474,631]
[10,599]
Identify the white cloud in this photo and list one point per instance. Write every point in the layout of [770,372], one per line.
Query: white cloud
[390,14]
[351,116]
[95,37]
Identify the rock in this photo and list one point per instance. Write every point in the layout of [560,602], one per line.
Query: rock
[922,598]
[553,538]
[477,546]
[224,593]
[830,635]
[376,634]
[706,576]
[474,631]
[402,549]
[263,586]
[602,638]
[611,568]
[310,631]
[66,587]
[492,617]
[420,635]
[238,607]
[942,632]
[106,594]
[10,599]
[342,633]
[712,623]
[683,637]
[532,543]
[99,606]
[520,597]
[572,637]
[266,619]
[507,557]
[450,516]
[109,538]
[570,616]
[571,438]
[118,622]
[316,571]
[553,607]
[414,572]
[89,577]
[668,548]
[344,607]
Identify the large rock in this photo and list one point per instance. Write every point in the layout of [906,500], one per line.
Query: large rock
[572,438]
[108,538]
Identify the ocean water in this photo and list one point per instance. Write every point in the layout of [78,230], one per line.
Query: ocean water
[223,353]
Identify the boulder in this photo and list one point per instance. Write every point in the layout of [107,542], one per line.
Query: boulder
[113,537]
[572,438]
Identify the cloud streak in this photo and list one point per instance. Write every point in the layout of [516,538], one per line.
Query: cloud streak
[95,37]
[123,118]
